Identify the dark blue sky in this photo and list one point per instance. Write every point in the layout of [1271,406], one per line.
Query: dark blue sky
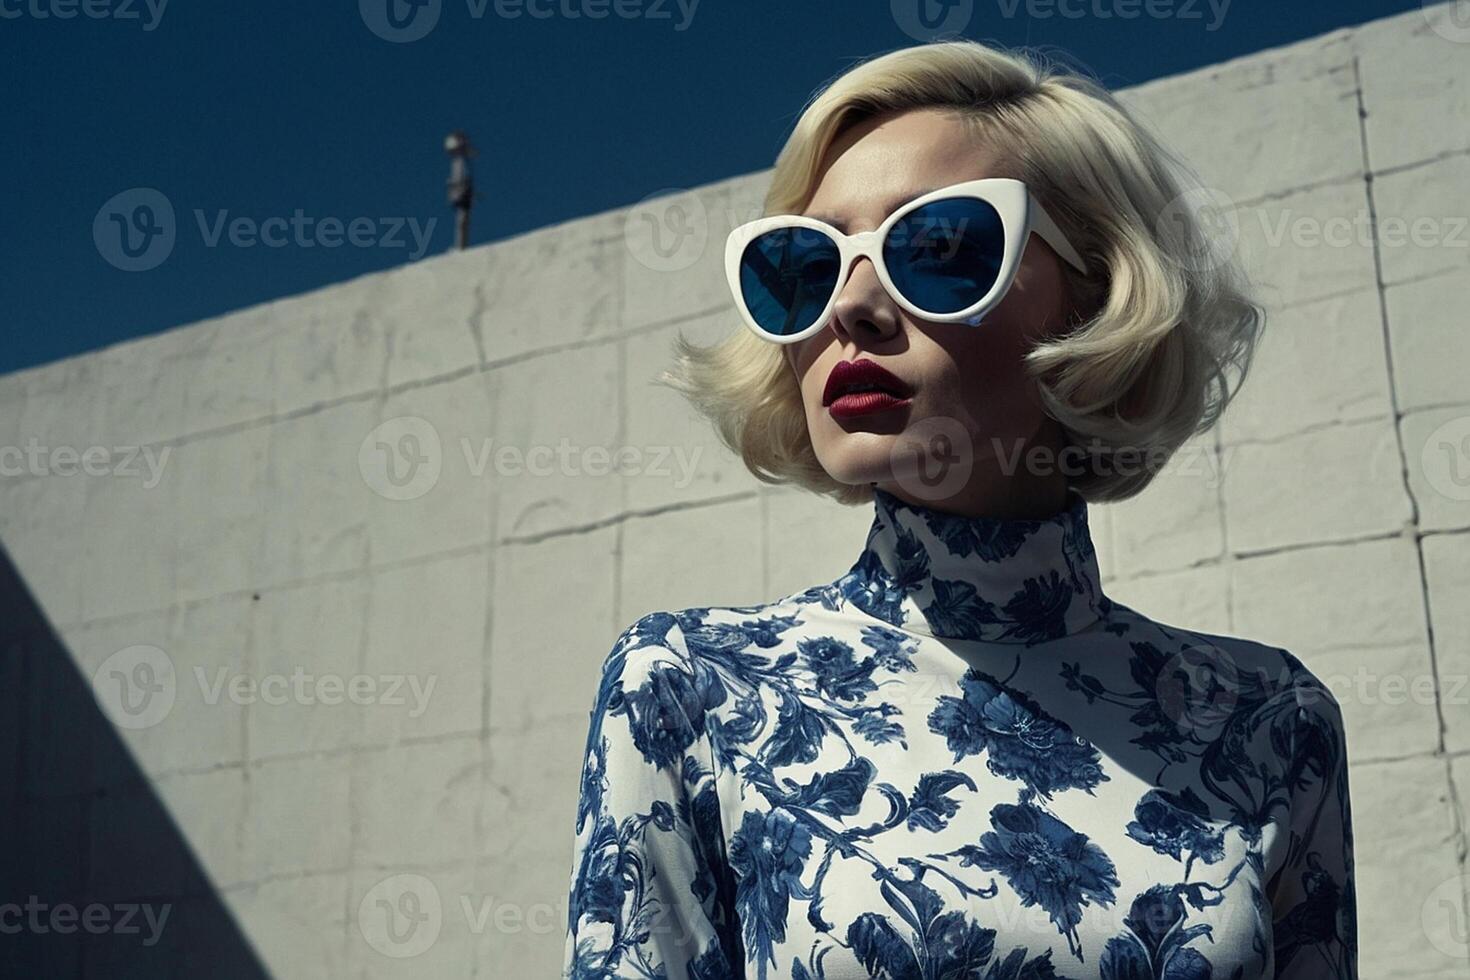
[265,108]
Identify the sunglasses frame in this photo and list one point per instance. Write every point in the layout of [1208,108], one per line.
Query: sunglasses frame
[1020,214]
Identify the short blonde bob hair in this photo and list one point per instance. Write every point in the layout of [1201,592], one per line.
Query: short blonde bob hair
[1173,321]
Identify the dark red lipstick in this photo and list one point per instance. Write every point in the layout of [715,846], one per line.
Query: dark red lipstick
[861,387]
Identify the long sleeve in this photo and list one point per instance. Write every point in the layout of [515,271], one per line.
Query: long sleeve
[1313,899]
[651,893]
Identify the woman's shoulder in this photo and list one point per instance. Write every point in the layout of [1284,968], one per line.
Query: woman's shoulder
[695,635]
[1236,665]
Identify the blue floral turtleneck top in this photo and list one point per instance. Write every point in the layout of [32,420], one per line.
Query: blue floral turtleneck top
[959,760]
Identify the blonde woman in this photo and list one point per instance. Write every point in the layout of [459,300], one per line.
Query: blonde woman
[978,301]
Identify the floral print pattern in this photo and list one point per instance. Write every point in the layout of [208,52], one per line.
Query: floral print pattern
[960,759]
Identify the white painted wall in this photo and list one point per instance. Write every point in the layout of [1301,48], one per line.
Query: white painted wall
[1338,530]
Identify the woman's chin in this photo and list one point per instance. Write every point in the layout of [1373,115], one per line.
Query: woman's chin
[870,462]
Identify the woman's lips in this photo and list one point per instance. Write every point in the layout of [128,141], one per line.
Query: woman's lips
[862,387]
[864,403]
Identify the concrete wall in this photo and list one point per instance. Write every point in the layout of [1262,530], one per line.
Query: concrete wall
[317,528]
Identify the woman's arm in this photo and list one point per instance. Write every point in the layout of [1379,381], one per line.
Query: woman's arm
[1313,902]
[651,891]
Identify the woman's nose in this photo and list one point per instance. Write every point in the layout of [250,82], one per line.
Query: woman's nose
[865,315]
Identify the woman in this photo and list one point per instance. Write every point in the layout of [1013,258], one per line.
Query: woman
[961,758]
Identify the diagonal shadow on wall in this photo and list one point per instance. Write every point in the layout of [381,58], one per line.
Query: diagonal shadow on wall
[96,879]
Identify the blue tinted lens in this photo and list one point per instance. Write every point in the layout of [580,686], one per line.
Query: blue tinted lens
[786,278]
[944,257]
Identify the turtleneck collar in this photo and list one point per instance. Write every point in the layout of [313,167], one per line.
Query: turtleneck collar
[1006,580]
